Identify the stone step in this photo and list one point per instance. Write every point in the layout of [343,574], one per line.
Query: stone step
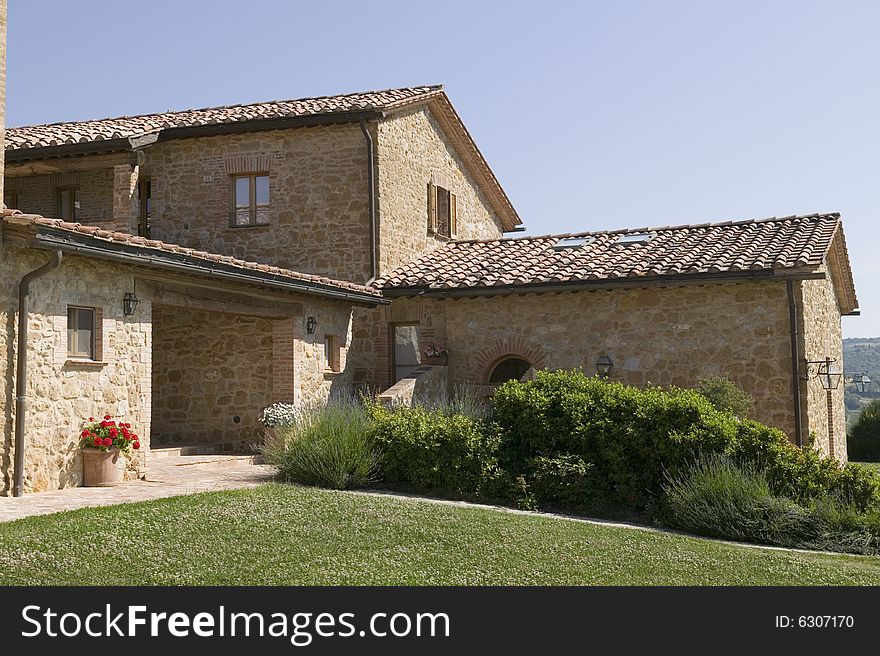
[183,450]
[206,461]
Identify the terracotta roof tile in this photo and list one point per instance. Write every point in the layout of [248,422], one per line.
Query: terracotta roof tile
[56,134]
[101,235]
[793,242]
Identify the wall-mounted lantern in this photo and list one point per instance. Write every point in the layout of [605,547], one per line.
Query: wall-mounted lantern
[604,365]
[311,324]
[827,371]
[862,382]
[129,303]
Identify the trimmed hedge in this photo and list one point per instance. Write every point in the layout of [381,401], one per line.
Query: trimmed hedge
[633,437]
[863,442]
[446,453]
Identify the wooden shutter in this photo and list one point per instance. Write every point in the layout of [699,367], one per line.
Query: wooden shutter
[432,208]
[453,215]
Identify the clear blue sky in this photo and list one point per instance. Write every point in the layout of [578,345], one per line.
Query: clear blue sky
[592,114]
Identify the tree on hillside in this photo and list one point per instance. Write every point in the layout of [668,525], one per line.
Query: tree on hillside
[863,442]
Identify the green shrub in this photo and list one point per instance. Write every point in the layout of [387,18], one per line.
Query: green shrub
[446,453]
[329,446]
[863,442]
[724,395]
[718,498]
[633,436]
[565,482]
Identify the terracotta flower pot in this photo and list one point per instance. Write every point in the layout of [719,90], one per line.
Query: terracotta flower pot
[101,468]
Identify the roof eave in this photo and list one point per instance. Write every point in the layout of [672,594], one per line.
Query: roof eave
[64,240]
[760,275]
[168,134]
[451,123]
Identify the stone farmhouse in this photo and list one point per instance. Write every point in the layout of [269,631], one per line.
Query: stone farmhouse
[187,269]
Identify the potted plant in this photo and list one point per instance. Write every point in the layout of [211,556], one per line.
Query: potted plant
[436,353]
[103,442]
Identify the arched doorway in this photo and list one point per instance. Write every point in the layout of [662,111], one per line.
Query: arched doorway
[511,367]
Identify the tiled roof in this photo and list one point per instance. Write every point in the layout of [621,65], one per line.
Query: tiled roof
[55,134]
[106,237]
[794,242]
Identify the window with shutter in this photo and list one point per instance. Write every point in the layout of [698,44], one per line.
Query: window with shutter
[442,218]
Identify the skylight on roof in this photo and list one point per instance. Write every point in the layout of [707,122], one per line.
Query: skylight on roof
[634,238]
[571,242]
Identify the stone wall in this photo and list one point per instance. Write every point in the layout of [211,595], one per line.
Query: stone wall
[412,151]
[63,392]
[38,194]
[662,336]
[318,216]
[212,376]
[821,338]
[428,383]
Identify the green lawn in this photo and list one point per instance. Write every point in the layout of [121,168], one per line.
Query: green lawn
[278,534]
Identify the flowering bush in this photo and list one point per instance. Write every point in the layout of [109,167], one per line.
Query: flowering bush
[279,415]
[106,434]
[435,350]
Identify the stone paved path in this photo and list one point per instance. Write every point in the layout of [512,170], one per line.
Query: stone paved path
[167,477]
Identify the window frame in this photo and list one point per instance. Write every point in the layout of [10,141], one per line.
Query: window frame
[73,191]
[442,224]
[72,353]
[331,354]
[12,195]
[253,206]
[145,206]
[392,341]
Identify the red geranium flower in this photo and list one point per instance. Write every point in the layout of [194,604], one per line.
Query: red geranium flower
[108,441]
[113,432]
[99,441]
[91,419]
[136,445]
[108,417]
[85,433]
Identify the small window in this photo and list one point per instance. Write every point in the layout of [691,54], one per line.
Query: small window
[512,368]
[145,207]
[81,332]
[10,199]
[331,353]
[250,198]
[68,203]
[635,238]
[572,242]
[405,358]
[442,211]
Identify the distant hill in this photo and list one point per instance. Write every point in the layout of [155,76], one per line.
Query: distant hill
[862,354]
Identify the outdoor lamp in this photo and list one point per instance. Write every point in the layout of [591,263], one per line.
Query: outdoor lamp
[311,324]
[829,375]
[603,366]
[129,303]
[862,382]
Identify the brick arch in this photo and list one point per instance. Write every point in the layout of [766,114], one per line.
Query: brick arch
[517,347]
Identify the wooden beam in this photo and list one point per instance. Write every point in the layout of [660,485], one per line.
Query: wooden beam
[65,164]
[197,297]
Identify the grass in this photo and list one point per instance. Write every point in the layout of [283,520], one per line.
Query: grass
[287,535]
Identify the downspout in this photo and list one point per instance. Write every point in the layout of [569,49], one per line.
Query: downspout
[795,364]
[371,184]
[21,367]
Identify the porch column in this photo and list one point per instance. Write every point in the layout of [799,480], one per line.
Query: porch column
[125,201]
[283,343]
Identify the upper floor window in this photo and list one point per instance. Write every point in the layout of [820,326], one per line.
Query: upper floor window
[81,332]
[10,199]
[442,214]
[145,209]
[68,203]
[250,199]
